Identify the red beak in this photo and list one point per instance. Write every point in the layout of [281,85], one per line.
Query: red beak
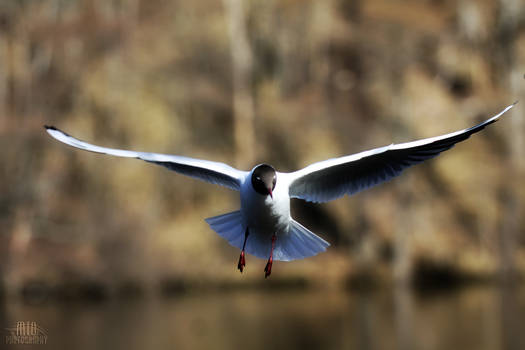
[270,192]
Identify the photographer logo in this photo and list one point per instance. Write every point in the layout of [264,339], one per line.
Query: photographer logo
[26,332]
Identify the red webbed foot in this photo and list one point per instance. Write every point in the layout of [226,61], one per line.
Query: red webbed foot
[242,262]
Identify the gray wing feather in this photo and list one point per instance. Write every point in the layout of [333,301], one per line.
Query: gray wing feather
[333,178]
[212,172]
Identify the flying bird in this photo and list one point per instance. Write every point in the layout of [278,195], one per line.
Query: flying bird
[263,226]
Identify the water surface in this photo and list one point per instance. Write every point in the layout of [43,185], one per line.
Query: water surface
[474,318]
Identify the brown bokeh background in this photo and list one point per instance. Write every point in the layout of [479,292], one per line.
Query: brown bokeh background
[284,82]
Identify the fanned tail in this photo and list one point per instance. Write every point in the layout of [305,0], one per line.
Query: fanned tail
[298,243]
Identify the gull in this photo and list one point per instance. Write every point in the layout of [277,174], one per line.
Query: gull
[263,226]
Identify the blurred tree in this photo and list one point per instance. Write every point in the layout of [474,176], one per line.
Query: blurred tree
[513,69]
[242,69]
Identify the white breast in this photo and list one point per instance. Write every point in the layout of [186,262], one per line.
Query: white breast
[262,214]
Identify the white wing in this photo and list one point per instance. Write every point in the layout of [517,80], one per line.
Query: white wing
[212,172]
[333,178]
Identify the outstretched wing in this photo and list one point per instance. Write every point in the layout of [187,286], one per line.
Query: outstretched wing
[212,172]
[333,178]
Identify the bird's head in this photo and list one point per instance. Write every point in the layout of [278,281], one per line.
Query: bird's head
[264,179]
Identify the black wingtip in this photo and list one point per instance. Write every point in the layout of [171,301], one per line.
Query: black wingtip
[48,127]
[515,102]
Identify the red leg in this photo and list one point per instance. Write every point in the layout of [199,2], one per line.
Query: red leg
[268,268]
[242,259]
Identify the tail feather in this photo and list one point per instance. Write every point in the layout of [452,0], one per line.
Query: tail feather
[229,227]
[298,243]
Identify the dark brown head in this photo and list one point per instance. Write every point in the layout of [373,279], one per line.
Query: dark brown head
[264,179]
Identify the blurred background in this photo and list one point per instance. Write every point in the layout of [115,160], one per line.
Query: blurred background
[108,253]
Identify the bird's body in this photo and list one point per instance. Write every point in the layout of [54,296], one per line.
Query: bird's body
[264,213]
[266,217]
[263,226]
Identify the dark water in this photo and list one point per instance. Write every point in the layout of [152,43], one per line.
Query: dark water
[475,318]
